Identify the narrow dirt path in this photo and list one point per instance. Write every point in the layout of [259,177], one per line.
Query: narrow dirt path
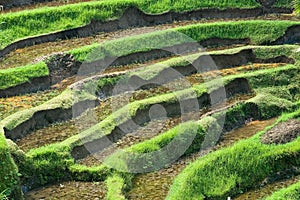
[155,185]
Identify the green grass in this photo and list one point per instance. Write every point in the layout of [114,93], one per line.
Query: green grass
[284,4]
[3,195]
[269,106]
[9,180]
[52,162]
[297,6]
[232,170]
[290,193]
[65,100]
[115,185]
[16,76]
[58,155]
[258,31]
[48,19]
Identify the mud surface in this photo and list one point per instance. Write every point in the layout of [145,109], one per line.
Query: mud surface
[282,133]
[69,191]
[61,131]
[11,105]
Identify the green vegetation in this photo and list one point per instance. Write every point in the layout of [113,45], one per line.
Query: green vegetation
[265,102]
[65,100]
[227,172]
[197,130]
[44,20]
[258,31]
[3,195]
[16,76]
[284,4]
[58,157]
[115,185]
[297,6]
[290,193]
[9,177]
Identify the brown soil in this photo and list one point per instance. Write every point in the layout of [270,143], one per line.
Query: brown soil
[61,131]
[11,105]
[69,191]
[282,133]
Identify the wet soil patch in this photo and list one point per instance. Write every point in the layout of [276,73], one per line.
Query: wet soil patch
[271,184]
[69,191]
[11,105]
[150,130]
[45,117]
[60,131]
[282,133]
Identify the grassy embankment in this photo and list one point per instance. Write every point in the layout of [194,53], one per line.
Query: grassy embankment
[259,32]
[22,24]
[290,193]
[234,169]
[53,162]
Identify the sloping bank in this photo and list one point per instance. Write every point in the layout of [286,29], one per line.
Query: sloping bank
[9,176]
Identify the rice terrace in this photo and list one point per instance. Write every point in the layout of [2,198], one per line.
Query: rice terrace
[150,99]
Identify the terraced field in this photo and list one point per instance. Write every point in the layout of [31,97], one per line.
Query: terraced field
[150,99]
